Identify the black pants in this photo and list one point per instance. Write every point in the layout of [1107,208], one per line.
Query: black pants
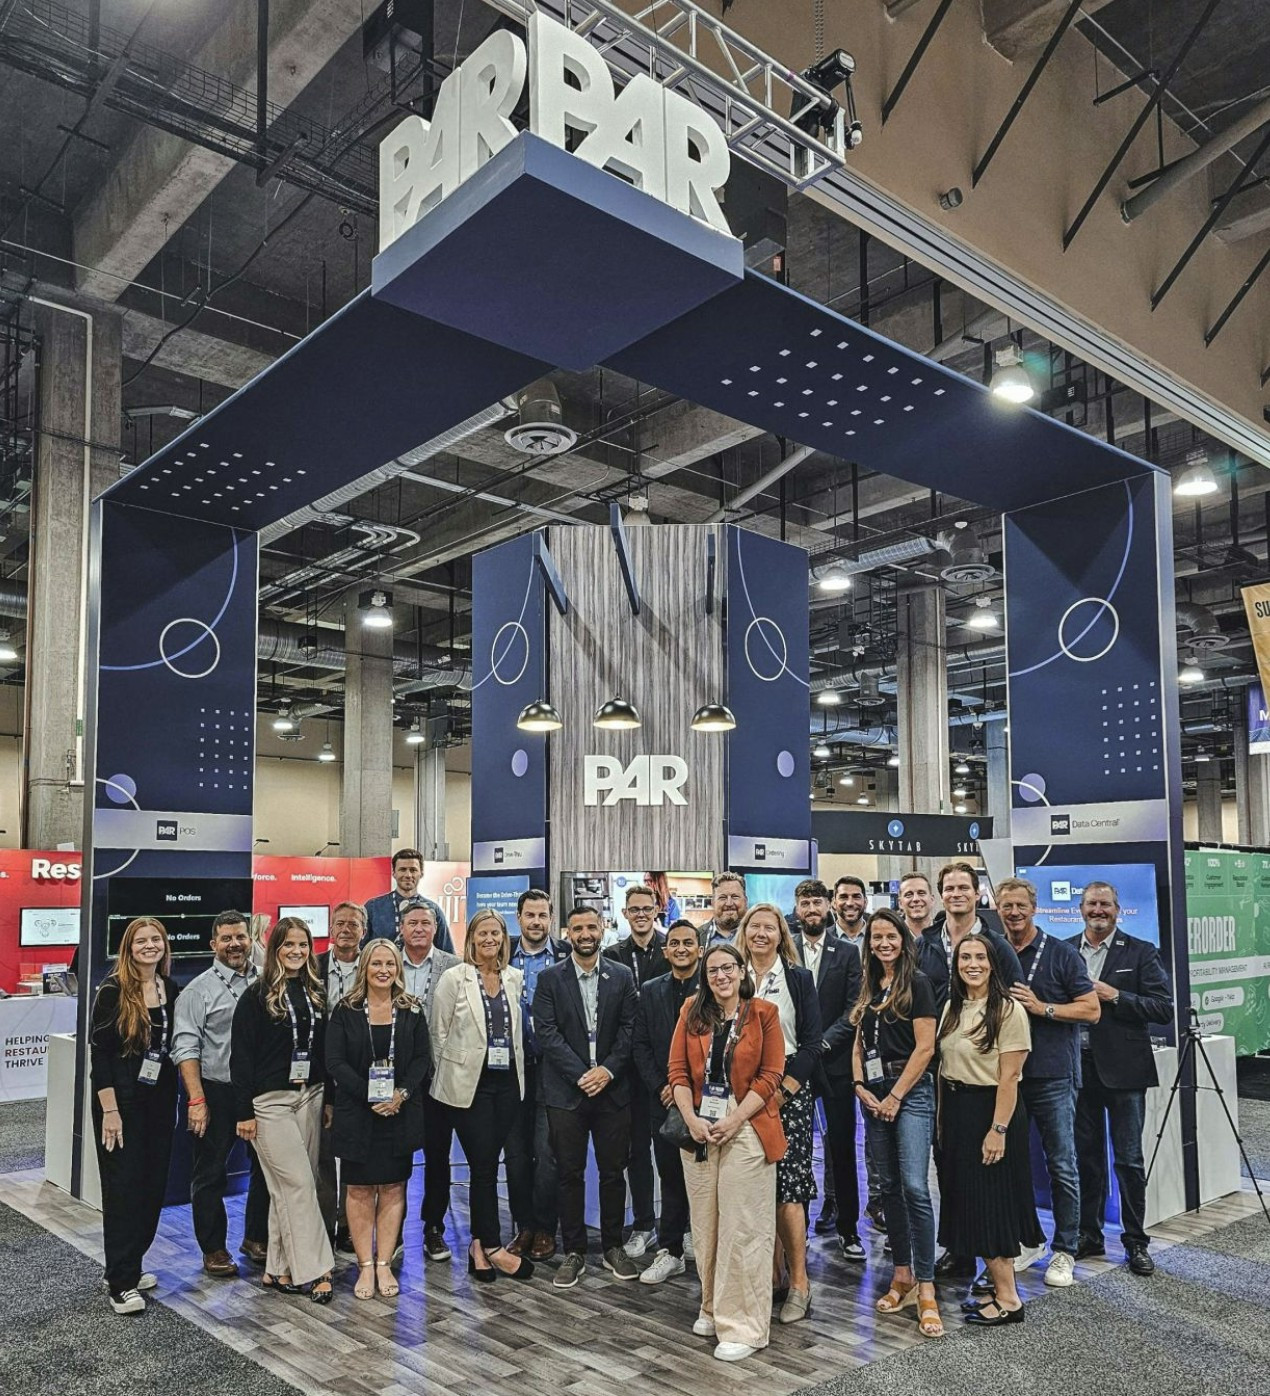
[1100,1109]
[639,1168]
[674,1195]
[208,1175]
[530,1162]
[135,1177]
[438,1135]
[483,1129]
[608,1126]
[840,1142]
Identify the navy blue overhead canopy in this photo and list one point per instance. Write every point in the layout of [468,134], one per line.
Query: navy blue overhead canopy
[770,357]
[543,253]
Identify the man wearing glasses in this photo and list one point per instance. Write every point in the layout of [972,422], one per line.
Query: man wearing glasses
[728,905]
[642,952]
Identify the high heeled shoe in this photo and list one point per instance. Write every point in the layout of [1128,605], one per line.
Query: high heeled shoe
[486,1276]
[524,1271]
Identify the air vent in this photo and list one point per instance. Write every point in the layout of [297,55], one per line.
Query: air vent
[868,695]
[968,563]
[540,428]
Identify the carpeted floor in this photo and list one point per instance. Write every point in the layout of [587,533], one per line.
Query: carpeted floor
[21,1135]
[1254,1127]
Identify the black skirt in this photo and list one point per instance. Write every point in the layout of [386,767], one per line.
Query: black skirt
[985,1209]
[382,1164]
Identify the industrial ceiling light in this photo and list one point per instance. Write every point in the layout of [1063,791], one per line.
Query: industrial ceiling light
[1202,755]
[376,609]
[846,780]
[959,793]
[959,809]
[284,722]
[327,753]
[1190,673]
[893,761]
[962,768]
[827,698]
[8,655]
[539,717]
[834,580]
[862,799]
[821,751]
[713,717]
[983,617]
[617,715]
[415,736]
[1010,381]
[1197,479]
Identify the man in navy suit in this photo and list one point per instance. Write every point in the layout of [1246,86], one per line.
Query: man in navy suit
[584,1020]
[384,913]
[1116,1067]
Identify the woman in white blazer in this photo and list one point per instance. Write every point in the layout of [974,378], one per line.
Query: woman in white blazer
[478,1050]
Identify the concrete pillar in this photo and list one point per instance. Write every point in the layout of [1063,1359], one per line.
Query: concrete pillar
[430,803]
[1259,801]
[921,690]
[1243,810]
[366,793]
[997,745]
[1208,801]
[80,416]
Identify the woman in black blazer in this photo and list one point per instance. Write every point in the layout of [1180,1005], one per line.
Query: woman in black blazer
[379,1058]
[133,1104]
[769,953]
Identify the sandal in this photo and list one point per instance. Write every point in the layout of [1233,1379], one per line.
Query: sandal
[896,1299]
[320,1295]
[928,1319]
[390,1288]
[361,1290]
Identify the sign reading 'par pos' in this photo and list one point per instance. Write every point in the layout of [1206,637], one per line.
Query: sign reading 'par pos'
[657,139]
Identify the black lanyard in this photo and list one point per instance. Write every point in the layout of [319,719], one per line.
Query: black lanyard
[874,1017]
[520,961]
[1036,963]
[500,997]
[295,1025]
[336,967]
[392,1035]
[729,1047]
[163,1021]
[229,983]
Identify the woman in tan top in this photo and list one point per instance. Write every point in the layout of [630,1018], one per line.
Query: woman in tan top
[986,1185]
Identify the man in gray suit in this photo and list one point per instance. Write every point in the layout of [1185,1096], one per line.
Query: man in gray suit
[424,965]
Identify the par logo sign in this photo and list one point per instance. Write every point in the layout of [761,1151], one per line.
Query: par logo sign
[648,780]
[658,140]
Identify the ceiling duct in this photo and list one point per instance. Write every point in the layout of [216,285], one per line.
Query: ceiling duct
[1201,627]
[968,562]
[890,555]
[868,695]
[540,428]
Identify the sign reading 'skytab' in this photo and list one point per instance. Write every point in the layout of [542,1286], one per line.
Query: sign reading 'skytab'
[656,139]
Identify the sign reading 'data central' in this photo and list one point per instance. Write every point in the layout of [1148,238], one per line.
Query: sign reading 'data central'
[648,780]
[657,139]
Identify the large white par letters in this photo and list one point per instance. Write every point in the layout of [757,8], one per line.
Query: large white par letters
[648,780]
[656,139]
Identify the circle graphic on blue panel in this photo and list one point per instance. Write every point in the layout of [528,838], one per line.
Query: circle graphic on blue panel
[785,764]
[896,828]
[766,627]
[1032,788]
[974,829]
[1115,629]
[520,762]
[167,658]
[496,656]
[121,790]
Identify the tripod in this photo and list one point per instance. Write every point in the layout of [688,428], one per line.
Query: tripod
[1191,1042]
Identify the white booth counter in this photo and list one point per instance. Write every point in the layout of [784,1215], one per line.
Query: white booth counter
[26,1023]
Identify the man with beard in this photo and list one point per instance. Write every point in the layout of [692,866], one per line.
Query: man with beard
[203,1017]
[584,1019]
[728,903]
[850,907]
[835,967]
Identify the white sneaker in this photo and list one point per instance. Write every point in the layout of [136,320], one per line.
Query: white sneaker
[639,1243]
[689,1253]
[664,1267]
[129,1302]
[734,1352]
[1059,1272]
[148,1281]
[704,1326]
[1027,1257]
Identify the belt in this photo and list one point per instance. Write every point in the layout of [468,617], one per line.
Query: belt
[952,1084]
[895,1068]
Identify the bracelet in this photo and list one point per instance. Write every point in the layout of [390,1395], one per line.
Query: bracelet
[202,1100]
[859,1085]
[112,1111]
[898,1099]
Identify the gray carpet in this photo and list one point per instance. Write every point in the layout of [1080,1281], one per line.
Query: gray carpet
[1254,1127]
[21,1135]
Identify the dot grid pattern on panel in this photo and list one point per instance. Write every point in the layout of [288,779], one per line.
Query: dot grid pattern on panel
[1131,728]
[225,742]
[198,478]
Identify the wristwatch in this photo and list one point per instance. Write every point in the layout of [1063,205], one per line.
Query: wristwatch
[1001,1129]
[1049,1011]
[403,1092]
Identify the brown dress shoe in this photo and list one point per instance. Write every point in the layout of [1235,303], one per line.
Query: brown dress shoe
[524,1240]
[255,1250]
[544,1246]
[220,1263]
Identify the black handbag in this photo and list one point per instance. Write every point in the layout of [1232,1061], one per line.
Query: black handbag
[674,1130]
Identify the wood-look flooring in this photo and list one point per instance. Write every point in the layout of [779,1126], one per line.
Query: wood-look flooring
[603,1338]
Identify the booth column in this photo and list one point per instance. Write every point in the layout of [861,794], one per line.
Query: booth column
[921,686]
[430,803]
[1208,801]
[77,457]
[366,793]
[997,746]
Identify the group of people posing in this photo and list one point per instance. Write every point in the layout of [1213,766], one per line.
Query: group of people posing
[700,1052]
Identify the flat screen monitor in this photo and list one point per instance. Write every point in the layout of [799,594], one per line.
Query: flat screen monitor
[43,927]
[185,906]
[776,888]
[316,918]
[1059,889]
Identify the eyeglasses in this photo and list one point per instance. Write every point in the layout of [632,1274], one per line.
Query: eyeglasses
[721,971]
[641,911]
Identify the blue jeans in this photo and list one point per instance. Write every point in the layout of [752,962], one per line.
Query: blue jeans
[1126,1111]
[900,1152]
[1051,1103]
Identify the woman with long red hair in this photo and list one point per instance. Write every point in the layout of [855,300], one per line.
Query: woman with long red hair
[133,1104]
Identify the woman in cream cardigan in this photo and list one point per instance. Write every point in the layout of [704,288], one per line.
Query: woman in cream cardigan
[480,1074]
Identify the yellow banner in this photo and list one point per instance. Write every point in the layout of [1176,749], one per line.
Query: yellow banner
[1257,606]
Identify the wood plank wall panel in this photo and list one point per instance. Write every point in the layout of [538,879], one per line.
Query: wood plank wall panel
[668,660]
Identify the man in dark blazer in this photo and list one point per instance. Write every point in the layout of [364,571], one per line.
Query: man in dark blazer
[660,1003]
[384,913]
[1116,1066]
[835,966]
[584,1020]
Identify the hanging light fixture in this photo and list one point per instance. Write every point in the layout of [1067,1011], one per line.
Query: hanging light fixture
[959,809]
[376,609]
[1190,673]
[415,736]
[862,799]
[983,617]
[327,753]
[827,698]
[617,715]
[539,717]
[959,793]
[962,768]
[8,655]
[821,752]
[1197,479]
[713,717]
[284,722]
[834,580]
[1010,380]
[893,761]
[846,780]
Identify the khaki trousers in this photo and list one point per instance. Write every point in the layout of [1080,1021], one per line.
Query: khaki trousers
[732,1199]
[288,1144]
